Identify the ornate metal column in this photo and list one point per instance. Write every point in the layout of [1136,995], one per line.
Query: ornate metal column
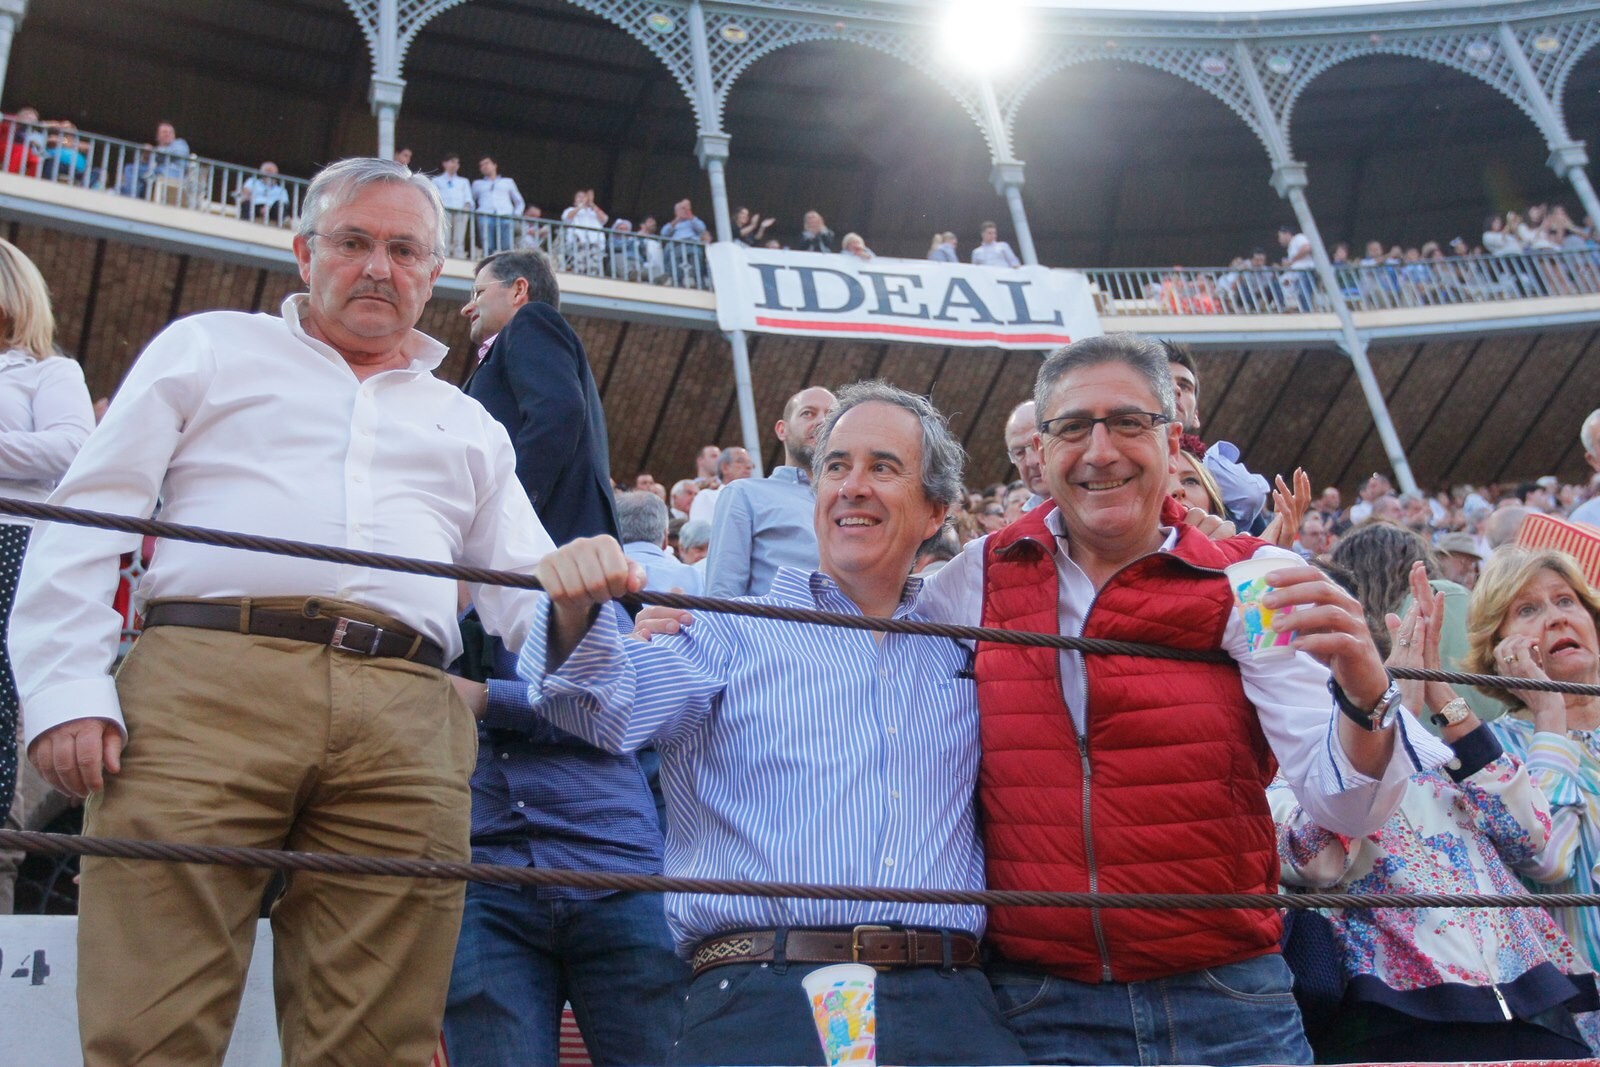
[389,27]
[11,12]
[1289,179]
[1567,157]
[712,148]
[1007,173]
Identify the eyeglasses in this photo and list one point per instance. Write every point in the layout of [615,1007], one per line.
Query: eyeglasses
[349,244]
[1129,424]
[479,290]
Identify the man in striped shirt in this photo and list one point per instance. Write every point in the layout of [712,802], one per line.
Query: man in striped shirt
[804,753]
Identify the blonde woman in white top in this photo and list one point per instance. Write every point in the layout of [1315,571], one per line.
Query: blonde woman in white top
[45,416]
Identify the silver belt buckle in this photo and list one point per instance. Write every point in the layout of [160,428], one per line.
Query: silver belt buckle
[342,628]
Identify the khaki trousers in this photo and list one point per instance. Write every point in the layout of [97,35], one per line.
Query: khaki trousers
[265,742]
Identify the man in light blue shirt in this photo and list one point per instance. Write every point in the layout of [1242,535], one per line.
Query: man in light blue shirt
[499,202]
[642,522]
[804,753]
[761,524]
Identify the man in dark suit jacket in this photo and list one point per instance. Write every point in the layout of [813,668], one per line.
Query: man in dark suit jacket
[541,797]
[534,378]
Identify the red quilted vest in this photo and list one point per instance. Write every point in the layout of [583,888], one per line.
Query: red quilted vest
[1166,794]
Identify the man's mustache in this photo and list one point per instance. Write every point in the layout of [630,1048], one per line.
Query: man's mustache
[383,291]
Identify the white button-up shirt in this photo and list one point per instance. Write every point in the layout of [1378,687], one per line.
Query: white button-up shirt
[455,192]
[244,422]
[1290,695]
[45,416]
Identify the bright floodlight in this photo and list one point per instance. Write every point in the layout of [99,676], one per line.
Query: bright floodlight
[984,35]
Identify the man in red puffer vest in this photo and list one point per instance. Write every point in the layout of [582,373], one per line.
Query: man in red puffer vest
[1120,774]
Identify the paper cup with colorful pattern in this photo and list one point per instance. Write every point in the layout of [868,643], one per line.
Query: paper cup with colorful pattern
[844,1007]
[1250,580]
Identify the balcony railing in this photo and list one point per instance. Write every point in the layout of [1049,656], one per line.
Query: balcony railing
[212,187]
[1270,291]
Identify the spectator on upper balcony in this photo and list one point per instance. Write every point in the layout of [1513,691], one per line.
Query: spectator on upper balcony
[497,199]
[628,261]
[854,245]
[1497,239]
[683,261]
[752,228]
[584,239]
[402,156]
[993,252]
[1297,256]
[64,158]
[943,249]
[815,235]
[535,232]
[455,193]
[164,159]
[262,197]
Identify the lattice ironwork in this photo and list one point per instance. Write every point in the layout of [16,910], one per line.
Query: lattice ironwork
[1553,49]
[661,26]
[1288,69]
[1206,64]
[410,17]
[738,40]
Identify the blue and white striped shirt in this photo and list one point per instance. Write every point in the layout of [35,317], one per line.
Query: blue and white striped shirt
[791,753]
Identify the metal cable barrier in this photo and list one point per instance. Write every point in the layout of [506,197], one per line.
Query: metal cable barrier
[394,867]
[65,845]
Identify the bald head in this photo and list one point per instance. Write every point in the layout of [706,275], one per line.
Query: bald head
[1020,429]
[803,415]
[1590,436]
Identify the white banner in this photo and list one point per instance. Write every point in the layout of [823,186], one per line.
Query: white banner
[39,996]
[814,294]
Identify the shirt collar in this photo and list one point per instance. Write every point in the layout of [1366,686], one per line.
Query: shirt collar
[645,548]
[425,354]
[16,357]
[483,349]
[797,475]
[1053,522]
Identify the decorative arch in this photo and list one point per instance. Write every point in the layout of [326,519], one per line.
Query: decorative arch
[410,17]
[1211,68]
[663,28]
[1288,70]
[737,42]
[1553,51]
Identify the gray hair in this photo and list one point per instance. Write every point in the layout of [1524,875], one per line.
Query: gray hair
[641,516]
[336,184]
[1589,435]
[696,533]
[942,455]
[1147,357]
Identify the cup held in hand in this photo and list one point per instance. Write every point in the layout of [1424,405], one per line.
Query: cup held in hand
[1250,580]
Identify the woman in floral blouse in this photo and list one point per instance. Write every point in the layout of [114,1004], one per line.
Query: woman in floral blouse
[1447,983]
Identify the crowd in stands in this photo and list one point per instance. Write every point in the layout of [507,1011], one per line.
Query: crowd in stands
[261,706]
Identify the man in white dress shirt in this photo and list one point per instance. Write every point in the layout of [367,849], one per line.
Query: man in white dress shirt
[277,702]
[455,193]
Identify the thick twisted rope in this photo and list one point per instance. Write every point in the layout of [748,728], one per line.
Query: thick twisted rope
[201,535]
[393,867]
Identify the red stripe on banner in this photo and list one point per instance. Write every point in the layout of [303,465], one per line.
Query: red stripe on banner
[916,331]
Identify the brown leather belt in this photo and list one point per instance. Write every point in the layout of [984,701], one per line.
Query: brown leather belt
[347,635]
[877,946]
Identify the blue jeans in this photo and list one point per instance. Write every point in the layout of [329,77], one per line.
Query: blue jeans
[758,1013]
[519,959]
[496,235]
[1236,1014]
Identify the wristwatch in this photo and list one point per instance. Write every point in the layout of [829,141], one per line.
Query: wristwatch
[1451,713]
[1379,717]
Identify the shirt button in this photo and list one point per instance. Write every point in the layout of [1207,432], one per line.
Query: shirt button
[722,984]
[888,861]
[892,731]
[358,479]
[894,794]
[505,755]
[520,804]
